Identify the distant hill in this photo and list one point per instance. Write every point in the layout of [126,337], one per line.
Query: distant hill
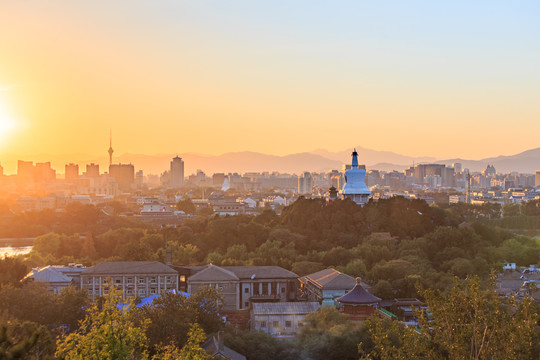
[525,162]
[372,157]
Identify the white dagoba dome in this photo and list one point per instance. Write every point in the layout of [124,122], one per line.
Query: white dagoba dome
[226,186]
[355,183]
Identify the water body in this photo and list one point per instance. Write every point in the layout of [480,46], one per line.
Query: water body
[14,250]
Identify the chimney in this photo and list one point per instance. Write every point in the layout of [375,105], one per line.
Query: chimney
[168,256]
[220,341]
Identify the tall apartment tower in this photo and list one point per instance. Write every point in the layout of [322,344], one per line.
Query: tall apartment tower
[305,183]
[72,172]
[177,172]
[92,170]
[537,178]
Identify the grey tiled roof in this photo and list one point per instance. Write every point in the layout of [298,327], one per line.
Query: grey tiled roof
[48,274]
[261,272]
[129,267]
[211,346]
[330,279]
[213,273]
[285,308]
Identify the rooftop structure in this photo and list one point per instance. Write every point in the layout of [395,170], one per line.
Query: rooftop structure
[358,303]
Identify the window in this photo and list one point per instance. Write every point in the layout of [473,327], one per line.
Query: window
[90,292]
[282,290]
[300,324]
[246,291]
[275,324]
[141,280]
[129,280]
[288,323]
[153,291]
[153,280]
[183,278]
[263,324]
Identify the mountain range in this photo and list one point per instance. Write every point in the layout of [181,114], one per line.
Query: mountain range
[317,160]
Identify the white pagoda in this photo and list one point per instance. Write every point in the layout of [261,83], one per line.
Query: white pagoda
[355,183]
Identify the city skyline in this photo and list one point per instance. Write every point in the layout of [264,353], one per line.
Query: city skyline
[420,79]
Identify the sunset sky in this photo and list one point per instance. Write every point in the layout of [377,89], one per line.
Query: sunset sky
[421,78]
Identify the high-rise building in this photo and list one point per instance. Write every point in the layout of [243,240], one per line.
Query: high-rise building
[25,170]
[72,172]
[305,183]
[92,170]
[537,179]
[457,167]
[123,174]
[44,173]
[177,172]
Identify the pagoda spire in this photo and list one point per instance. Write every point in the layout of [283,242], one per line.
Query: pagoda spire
[110,147]
[355,159]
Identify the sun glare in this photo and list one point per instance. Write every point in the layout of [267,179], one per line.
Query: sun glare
[7,125]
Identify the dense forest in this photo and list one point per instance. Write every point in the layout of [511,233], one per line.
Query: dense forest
[403,248]
[395,244]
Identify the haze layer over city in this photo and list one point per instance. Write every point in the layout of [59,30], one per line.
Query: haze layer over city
[252,180]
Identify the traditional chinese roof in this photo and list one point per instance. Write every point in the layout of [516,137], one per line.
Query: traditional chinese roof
[358,295]
[331,279]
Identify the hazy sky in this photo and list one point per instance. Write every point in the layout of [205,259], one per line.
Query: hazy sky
[437,78]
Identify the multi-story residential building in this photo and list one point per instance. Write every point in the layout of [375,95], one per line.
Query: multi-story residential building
[176,172]
[123,174]
[305,183]
[243,285]
[133,278]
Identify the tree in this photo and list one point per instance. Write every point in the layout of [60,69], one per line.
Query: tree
[471,322]
[327,334]
[186,206]
[25,340]
[393,340]
[193,350]
[106,333]
[170,314]
[12,270]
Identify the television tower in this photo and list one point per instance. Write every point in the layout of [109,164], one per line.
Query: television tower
[110,148]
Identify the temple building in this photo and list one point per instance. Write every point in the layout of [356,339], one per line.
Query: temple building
[355,183]
[358,303]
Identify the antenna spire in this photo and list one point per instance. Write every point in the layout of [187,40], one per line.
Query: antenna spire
[110,148]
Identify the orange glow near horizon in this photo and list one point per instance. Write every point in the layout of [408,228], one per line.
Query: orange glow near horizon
[201,77]
[7,127]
